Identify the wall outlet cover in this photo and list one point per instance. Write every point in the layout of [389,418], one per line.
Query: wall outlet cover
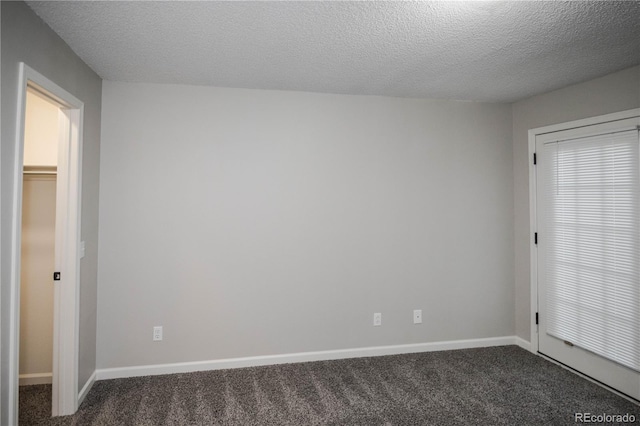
[417,316]
[157,333]
[377,319]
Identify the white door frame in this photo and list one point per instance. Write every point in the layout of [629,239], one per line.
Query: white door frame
[66,291]
[533,283]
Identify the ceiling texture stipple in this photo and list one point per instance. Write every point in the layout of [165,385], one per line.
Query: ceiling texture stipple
[477,51]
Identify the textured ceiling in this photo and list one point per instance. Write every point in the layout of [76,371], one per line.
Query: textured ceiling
[483,51]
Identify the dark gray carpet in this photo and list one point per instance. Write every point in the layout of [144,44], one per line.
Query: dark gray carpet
[35,404]
[489,386]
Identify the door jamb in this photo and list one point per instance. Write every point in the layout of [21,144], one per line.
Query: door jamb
[66,293]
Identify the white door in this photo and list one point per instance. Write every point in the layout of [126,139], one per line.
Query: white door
[588,242]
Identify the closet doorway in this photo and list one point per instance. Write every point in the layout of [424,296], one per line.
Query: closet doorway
[38,251]
[44,343]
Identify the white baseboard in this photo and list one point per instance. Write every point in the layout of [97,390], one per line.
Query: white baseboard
[255,361]
[86,388]
[523,344]
[35,379]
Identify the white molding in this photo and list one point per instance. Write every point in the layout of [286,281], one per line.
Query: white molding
[35,379]
[523,344]
[86,388]
[16,226]
[584,122]
[255,361]
[533,252]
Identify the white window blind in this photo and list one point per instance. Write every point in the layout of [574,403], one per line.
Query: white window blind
[592,242]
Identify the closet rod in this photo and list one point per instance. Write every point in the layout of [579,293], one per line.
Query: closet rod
[40,170]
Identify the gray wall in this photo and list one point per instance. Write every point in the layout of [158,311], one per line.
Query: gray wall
[615,92]
[254,222]
[26,38]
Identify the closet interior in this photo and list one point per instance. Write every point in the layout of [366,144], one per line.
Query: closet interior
[38,244]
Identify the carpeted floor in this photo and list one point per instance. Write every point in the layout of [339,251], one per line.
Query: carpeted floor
[35,404]
[489,386]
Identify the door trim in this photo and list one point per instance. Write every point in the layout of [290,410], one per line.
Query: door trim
[533,259]
[66,297]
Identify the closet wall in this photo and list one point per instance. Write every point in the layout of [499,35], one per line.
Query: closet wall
[38,240]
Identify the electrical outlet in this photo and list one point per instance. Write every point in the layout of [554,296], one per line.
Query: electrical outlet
[157,333]
[417,316]
[377,319]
